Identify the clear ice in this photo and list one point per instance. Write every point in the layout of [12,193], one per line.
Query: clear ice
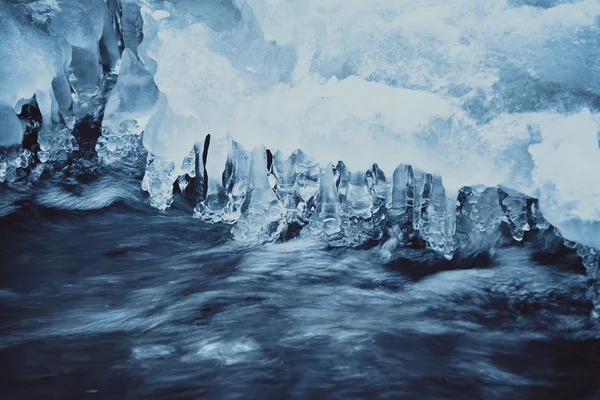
[420,123]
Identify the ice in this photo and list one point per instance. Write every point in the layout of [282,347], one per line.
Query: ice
[127,19]
[34,64]
[487,94]
[433,230]
[14,163]
[88,29]
[11,130]
[213,207]
[328,212]
[357,210]
[129,107]
[48,48]
[287,188]
[449,99]
[158,181]
[515,213]
[262,214]
[435,45]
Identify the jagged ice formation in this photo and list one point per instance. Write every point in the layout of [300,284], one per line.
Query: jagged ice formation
[501,93]
[385,120]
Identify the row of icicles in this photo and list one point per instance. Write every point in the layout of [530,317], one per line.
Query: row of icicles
[269,197]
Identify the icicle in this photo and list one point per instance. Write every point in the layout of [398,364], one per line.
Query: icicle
[287,186]
[158,181]
[236,180]
[357,211]
[397,211]
[327,219]
[186,171]
[262,214]
[486,212]
[308,175]
[358,200]
[450,225]
[377,187]
[212,208]
[285,172]
[191,179]
[132,25]
[433,226]
[415,195]
[433,230]
[342,179]
[538,218]
[514,205]
[440,226]
[426,193]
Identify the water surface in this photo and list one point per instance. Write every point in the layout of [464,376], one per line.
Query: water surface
[127,304]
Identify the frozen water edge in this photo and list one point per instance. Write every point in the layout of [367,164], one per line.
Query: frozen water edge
[449,114]
[278,94]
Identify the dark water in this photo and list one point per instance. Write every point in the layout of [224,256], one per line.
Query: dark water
[125,304]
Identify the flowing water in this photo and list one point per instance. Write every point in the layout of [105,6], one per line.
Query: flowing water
[128,303]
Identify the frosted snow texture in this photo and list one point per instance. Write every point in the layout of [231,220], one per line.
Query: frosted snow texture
[482,93]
